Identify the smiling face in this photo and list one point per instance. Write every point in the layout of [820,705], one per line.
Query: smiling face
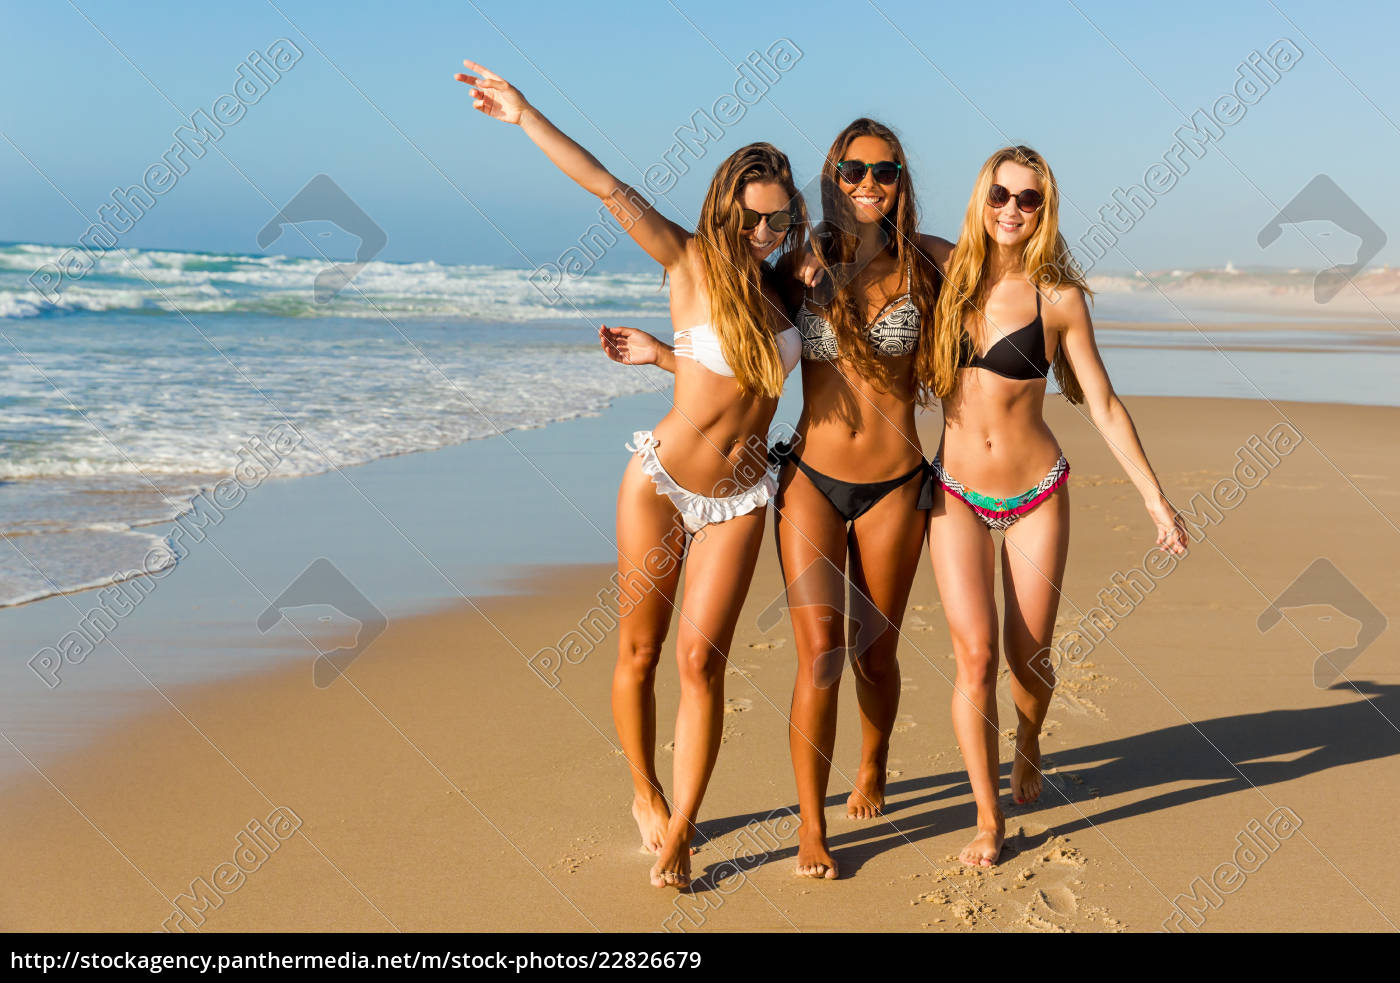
[872,200]
[1008,225]
[764,197]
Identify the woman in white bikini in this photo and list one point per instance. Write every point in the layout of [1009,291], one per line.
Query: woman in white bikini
[999,467]
[697,485]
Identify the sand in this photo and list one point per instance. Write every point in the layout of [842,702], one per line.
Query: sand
[443,784]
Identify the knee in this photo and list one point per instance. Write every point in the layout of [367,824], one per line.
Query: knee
[878,663]
[638,657]
[977,664]
[701,663]
[818,636]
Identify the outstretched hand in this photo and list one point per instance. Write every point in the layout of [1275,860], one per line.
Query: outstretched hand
[492,94]
[1171,528]
[629,346]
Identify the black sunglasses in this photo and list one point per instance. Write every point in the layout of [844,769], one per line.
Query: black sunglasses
[1027,201]
[853,171]
[779,221]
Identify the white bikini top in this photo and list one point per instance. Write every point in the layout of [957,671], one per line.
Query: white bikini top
[701,344]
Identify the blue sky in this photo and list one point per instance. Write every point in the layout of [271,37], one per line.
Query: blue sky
[1091,84]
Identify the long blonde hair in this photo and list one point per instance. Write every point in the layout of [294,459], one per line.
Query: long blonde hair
[1045,258]
[738,308]
[835,243]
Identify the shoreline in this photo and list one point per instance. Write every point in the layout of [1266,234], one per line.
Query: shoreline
[1259,340]
[449,787]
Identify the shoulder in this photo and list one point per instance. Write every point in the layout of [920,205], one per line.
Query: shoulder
[1064,306]
[937,248]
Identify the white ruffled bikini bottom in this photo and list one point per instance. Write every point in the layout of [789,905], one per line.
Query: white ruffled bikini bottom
[698,511]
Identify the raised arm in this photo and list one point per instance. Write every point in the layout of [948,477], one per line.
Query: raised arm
[1070,316]
[663,240]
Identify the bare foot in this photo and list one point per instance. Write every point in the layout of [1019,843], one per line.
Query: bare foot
[867,799]
[985,848]
[1025,768]
[652,818]
[813,858]
[672,867]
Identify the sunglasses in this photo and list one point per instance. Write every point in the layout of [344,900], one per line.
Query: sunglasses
[1027,201]
[853,171]
[779,221]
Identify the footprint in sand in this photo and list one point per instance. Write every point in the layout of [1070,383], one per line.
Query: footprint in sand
[735,670]
[573,861]
[903,723]
[776,644]
[737,704]
[1061,854]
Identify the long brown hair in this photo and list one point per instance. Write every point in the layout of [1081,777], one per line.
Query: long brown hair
[734,282]
[1045,258]
[835,243]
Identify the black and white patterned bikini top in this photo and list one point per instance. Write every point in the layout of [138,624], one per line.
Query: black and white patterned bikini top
[895,332]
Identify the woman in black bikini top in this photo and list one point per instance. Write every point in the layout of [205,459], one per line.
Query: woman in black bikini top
[1010,473]
[853,488]
[1019,355]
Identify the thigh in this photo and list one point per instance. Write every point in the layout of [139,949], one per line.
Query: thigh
[885,546]
[960,546]
[1033,570]
[812,551]
[718,570]
[650,550]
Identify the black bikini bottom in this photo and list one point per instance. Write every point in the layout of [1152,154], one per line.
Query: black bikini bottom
[853,499]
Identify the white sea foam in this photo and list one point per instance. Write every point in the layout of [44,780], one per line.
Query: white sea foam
[171,282]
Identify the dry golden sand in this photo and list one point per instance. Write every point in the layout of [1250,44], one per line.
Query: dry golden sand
[442,786]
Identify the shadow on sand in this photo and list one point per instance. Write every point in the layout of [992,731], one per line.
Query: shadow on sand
[1215,757]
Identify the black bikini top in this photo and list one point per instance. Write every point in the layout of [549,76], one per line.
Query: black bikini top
[1018,355]
[895,332]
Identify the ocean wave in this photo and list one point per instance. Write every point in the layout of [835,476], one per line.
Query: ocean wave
[170,282]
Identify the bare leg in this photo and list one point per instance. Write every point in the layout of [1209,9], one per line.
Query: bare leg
[812,546]
[963,564]
[1033,568]
[885,546]
[645,521]
[719,569]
